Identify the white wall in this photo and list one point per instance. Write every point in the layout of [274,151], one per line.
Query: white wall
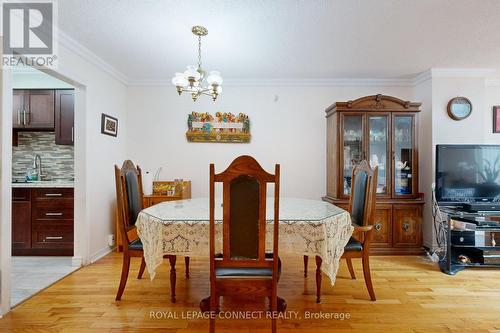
[95,154]
[288,126]
[103,94]
[423,94]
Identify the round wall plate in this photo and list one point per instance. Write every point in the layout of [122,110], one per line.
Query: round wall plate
[459,108]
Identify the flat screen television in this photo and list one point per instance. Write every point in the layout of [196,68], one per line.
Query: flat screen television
[467,173]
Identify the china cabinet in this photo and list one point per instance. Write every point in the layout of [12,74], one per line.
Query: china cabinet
[383,130]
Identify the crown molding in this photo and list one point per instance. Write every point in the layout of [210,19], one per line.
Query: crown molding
[422,77]
[463,72]
[291,82]
[74,46]
[492,83]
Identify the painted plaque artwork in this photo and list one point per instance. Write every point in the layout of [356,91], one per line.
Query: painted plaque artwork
[223,127]
[496,119]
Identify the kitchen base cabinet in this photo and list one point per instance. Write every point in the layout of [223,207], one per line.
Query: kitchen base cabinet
[42,221]
[21,219]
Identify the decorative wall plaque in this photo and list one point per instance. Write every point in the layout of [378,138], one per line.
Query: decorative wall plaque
[224,127]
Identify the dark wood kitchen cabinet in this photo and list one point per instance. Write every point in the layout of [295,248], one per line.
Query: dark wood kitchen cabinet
[21,218]
[44,110]
[65,117]
[18,109]
[33,109]
[42,221]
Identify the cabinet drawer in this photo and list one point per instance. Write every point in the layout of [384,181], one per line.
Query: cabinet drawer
[53,209]
[407,229]
[382,226]
[52,235]
[21,194]
[52,193]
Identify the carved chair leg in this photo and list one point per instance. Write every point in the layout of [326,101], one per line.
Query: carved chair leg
[173,260]
[319,261]
[368,278]
[306,260]
[142,268]
[123,279]
[351,269]
[186,262]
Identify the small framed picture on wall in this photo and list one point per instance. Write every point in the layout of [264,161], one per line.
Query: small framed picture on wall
[109,125]
[496,119]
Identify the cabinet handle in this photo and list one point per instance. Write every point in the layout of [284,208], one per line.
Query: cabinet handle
[24,117]
[53,214]
[53,194]
[73,134]
[406,226]
[53,238]
[378,226]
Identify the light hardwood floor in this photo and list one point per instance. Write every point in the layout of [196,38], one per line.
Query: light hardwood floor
[412,296]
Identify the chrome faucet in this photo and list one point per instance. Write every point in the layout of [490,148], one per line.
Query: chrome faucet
[37,165]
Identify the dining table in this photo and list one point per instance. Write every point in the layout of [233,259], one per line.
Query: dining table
[306,227]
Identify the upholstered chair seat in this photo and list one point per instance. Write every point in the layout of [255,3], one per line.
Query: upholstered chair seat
[135,245]
[353,245]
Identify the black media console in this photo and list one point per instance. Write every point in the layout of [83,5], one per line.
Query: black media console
[472,240]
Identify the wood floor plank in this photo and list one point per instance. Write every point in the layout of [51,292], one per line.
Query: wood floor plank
[412,296]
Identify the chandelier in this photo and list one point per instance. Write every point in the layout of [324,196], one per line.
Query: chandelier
[192,80]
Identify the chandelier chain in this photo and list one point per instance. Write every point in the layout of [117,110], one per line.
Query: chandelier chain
[199,51]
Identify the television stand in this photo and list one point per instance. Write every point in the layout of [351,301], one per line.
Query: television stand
[478,248]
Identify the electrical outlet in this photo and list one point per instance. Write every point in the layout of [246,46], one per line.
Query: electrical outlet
[111,240]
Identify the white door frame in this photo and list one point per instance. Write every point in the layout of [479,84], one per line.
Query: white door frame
[81,224]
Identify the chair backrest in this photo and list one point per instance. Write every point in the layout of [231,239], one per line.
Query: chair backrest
[129,197]
[244,186]
[363,193]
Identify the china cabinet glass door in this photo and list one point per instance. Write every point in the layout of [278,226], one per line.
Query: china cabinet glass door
[378,150]
[404,152]
[353,150]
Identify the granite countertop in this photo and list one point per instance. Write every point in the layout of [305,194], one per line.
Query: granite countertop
[45,184]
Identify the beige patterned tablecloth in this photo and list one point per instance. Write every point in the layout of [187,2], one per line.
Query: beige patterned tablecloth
[307,227]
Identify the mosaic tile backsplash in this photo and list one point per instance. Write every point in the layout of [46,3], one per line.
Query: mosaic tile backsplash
[57,160]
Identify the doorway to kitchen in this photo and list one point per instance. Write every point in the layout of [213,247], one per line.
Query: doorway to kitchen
[43,175]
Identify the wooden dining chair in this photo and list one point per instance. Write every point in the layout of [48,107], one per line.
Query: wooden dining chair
[361,209]
[129,198]
[244,267]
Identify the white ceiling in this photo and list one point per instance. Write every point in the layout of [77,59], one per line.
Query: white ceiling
[294,39]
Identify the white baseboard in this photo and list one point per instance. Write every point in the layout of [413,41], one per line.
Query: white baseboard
[76,262]
[101,253]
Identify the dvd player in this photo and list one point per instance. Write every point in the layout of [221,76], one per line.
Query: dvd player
[481,206]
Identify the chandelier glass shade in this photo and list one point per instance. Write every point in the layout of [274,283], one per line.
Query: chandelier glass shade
[193,80]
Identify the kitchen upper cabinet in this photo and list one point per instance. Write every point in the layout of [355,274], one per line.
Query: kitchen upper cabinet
[44,110]
[40,110]
[18,109]
[33,109]
[65,117]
